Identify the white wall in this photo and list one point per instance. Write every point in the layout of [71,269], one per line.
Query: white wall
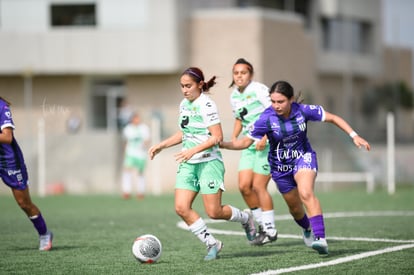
[130,37]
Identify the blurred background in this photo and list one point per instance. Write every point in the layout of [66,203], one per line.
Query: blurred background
[71,68]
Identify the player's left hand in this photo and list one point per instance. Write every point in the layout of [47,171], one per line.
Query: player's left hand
[360,142]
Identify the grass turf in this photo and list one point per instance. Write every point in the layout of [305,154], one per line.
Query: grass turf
[94,235]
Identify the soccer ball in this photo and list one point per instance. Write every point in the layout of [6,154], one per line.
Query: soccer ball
[147,249]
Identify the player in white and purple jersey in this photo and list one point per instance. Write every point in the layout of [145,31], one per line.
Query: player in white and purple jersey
[13,172]
[292,160]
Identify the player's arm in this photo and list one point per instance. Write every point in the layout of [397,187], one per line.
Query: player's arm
[6,135]
[171,141]
[216,136]
[342,124]
[237,128]
[238,144]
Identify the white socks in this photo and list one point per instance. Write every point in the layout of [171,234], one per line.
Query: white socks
[199,228]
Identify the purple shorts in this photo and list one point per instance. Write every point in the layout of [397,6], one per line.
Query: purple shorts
[283,173]
[15,178]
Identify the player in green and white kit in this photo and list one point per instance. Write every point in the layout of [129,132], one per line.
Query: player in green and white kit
[136,135]
[201,168]
[248,100]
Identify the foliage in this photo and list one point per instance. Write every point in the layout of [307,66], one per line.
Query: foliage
[389,96]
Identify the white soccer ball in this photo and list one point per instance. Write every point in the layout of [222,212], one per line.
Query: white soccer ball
[147,249]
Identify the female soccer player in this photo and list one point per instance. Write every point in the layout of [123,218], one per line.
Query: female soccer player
[248,100]
[13,172]
[137,136]
[292,160]
[201,168]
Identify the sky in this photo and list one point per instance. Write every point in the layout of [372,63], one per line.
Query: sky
[399,22]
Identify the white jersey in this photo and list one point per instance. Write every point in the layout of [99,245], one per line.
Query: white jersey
[136,136]
[195,118]
[250,104]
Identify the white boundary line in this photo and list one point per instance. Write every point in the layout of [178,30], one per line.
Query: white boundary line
[409,243]
[337,261]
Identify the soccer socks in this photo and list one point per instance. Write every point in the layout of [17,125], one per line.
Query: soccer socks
[238,216]
[39,223]
[268,221]
[257,214]
[304,222]
[126,182]
[140,185]
[318,226]
[199,228]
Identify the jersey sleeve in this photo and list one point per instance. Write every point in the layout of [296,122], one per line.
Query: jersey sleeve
[263,96]
[313,112]
[259,129]
[233,103]
[210,113]
[6,119]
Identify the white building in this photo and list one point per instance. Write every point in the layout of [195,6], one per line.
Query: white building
[78,59]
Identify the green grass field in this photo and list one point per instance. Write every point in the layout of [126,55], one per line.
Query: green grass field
[367,234]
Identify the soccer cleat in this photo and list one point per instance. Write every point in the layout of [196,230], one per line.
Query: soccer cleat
[308,237]
[263,238]
[46,241]
[320,245]
[249,226]
[213,251]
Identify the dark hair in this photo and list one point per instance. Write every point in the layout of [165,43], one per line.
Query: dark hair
[7,102]
[197,75]
[284,88]
[245,62]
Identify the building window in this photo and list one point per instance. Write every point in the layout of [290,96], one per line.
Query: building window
[73,15]
[106,100]
[346,35]
[301,7]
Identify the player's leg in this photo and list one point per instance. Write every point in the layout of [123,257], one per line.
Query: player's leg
[24,201]
[305,179]
[141,184]
[186,190]
[127,177]
[267,230]
[215,210]
[183,207]
[298,213]
[245,180]
[261,177]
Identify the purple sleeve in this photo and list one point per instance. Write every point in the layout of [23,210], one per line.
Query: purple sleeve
[259,129]
[313,112]
[6,117]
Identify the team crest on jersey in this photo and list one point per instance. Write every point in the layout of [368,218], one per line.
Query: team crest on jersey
[307,157]
[8,114]
[302,126]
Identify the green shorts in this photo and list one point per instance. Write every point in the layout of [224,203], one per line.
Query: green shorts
[204,177]
[137,163]
[251,159]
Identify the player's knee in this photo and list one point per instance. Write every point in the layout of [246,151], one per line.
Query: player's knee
[214,214]
[245,188]
[181,211]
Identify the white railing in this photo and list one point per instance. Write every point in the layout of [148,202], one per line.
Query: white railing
[330,177]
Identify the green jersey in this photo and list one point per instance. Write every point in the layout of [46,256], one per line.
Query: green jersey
[195,117]
[250,104]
